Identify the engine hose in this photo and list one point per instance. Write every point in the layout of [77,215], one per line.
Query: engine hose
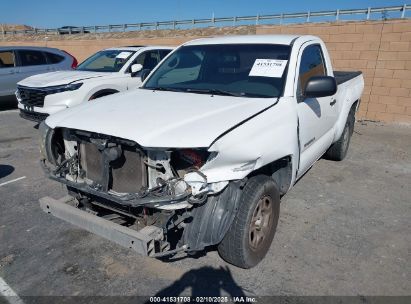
[69,160]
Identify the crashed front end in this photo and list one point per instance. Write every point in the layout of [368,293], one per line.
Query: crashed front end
[159,193]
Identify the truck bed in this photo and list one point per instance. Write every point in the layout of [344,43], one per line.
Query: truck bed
[343,76]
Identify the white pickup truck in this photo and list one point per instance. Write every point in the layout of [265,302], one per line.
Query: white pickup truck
[201,154]
[106,72]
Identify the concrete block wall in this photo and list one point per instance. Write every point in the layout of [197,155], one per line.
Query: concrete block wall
[381,49]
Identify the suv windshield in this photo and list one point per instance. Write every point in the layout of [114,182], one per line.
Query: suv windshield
[244,70]
[106,61]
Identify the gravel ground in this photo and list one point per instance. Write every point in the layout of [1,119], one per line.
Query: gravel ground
[345,229]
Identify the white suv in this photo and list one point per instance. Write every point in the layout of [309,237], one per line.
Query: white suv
[106,72]
[19,62]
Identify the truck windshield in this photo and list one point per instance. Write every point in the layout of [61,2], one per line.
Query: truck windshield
[243,70]
[106,61]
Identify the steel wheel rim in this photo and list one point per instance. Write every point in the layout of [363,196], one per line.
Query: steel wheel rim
[261,222]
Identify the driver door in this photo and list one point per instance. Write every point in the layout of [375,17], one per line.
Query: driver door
[316,115]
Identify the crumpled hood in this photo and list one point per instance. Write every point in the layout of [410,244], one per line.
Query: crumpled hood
[161,119]
[59,78]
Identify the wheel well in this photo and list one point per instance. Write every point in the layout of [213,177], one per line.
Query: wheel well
[102,93]
[355,106]
[280,170]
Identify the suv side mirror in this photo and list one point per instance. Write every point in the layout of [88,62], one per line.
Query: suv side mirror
[320,86]
[144,74]
[135,68]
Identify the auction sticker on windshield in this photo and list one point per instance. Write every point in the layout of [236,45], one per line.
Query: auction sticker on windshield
[268,68]
[123,55]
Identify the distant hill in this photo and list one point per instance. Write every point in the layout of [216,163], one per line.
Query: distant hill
[15,27]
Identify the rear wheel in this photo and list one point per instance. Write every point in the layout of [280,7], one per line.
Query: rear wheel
[338,150]
[252,231]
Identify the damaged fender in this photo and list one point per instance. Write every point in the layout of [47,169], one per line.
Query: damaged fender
[212,219]
[270,136]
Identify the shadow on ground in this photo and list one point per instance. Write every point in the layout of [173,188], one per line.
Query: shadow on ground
[8,103]
[6,170]
[203,282]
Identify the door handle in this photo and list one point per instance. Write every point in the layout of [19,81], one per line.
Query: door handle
[333,102]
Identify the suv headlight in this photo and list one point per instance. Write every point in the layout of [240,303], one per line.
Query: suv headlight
[64,88]
[17,93]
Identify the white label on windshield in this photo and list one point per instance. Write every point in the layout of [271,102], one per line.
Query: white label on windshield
[123,55]
[268,68]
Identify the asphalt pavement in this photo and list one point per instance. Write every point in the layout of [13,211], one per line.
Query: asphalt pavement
[345,229]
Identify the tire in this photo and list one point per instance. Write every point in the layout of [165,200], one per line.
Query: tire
[338,150]
[253,228]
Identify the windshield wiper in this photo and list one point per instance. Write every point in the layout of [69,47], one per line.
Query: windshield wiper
[256,95]
[208,91]
[215,92]
[164,89]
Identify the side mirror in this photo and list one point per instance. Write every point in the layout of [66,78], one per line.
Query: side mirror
[144,74]
[320,86]
[135,68]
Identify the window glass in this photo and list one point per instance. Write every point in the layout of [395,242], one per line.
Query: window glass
[29,57]
[312,64]
[106,61]
[223,68]
[164,53]
[54,58]
[6,59]
[182,68]
[139,59]
[148,59]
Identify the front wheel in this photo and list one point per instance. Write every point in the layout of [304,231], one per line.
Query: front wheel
[252,231]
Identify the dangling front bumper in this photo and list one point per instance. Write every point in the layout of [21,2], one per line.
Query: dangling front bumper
[142,241]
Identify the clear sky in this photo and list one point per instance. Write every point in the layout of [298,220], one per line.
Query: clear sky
[56,13]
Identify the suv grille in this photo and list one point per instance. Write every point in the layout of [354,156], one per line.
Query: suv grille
[33,116]
[31,96]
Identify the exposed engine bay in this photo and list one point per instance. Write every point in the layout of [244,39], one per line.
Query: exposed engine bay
[118,180]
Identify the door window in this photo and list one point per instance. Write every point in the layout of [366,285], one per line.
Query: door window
[148,59]
[54,58]
[164,53]
[6,59]
[29,57]
[312,64]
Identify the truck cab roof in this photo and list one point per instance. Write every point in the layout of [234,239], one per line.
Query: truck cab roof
[251,39]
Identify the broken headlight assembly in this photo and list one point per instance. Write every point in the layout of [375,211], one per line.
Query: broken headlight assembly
[44,130]
[51,146]
[64,88]
[187,164]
